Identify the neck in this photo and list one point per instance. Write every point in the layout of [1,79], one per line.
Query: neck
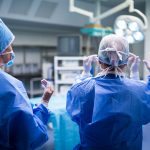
[108,70]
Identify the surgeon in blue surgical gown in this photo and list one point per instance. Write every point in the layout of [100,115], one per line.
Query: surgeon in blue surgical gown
[110,109]
[21,127]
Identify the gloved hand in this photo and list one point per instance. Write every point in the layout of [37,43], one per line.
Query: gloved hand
[133,64]
[48,91]
[87,63]
[147,64]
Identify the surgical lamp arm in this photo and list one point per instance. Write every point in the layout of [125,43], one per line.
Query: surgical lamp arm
[112,11]
[72,8]
[132,9]
[127,3]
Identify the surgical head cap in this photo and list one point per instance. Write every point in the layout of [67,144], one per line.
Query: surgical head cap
[6,37]
[113,50]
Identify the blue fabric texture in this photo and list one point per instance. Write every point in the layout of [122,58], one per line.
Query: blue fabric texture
[21,127]
[110,112]
[6,37]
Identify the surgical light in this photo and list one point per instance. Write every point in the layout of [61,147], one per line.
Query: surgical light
[131,27]
[129,38]
[138,36]
[128,26]
[119,32]
[122,24]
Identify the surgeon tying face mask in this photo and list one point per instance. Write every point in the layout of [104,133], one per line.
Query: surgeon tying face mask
[21,127]
[110,109]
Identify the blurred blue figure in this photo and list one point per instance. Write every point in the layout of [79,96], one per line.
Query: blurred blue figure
[110,109]
[21,127]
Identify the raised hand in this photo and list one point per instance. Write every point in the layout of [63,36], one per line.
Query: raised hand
[133,64]
[48,91]
[87,62]
[147,64]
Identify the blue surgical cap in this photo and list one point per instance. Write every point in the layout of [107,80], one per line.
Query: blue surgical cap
[113,50]
[6,37]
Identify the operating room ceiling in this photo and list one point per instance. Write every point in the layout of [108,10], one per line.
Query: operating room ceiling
[111,3]
[49,12]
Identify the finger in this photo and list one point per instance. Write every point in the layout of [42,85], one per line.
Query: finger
[95,58]
[130,61]
[147,64]
[87,61]
[132,55]
[137,59]
[85,58]
[44,82]
[43,86]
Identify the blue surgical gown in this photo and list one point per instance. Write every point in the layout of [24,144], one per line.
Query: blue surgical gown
[21,127]
[110,112]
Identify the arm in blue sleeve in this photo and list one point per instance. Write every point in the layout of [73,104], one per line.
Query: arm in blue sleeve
[42,113]
[79,97]
[146,104]
[73,106]
[148,82]
[27,131]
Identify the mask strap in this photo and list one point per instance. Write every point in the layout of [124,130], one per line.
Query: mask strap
[119,72]
[105,71]
[7,53]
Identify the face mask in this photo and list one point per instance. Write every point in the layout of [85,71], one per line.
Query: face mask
[11,61]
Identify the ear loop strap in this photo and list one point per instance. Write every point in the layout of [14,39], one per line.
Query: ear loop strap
[105,71]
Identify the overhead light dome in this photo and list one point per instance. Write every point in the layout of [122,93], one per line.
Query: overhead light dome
[131,27]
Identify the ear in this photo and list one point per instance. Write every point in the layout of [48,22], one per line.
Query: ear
[1,59]
[102,65]
[123,66]
[100,62]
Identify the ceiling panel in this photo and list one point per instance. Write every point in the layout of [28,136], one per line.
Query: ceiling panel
[20,7]
[46,9]
[110,2]
[1,1]
[49,11]
[139,4]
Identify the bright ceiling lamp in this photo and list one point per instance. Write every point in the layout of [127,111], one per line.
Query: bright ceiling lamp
[131,27]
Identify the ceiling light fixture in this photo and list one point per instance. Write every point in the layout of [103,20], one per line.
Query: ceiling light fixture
[131,27]
[128,26]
